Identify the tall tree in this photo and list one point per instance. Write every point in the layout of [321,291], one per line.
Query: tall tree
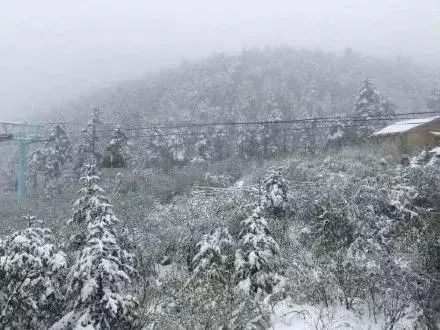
[99,280]
[370,110]
[52,159]
[87,149]
[116,154]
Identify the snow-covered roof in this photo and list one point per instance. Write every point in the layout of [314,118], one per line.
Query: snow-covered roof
[404,126]
[435,133]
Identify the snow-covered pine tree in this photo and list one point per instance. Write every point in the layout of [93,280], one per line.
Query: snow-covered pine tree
[117,150]
[257,258]
[31,273]
[337,135]
[274,197]
[214,259]
[209,300]
[99,280]
[87,149]
[208,293]
[52,159]
[58,153]
[275,204]
[370,108]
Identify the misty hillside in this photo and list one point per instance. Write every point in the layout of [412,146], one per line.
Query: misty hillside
[300,83]
[220,165]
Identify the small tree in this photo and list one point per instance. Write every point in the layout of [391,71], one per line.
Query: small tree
[31,273]
[209,291]
[257,258]
[208,299]
[99,280]
[275,199]
[214,259]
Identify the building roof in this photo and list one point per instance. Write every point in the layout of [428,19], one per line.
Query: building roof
[404,126]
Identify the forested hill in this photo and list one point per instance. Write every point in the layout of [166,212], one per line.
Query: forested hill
[299,83]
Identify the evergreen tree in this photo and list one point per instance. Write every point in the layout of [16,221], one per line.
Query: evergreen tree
[52,159]
[336,136]
[99,280]
[209,299]
[275,204]
[117,153]
[275,199]
[87,149]
[214,258]
[370,108]
[31,273]
[257,257]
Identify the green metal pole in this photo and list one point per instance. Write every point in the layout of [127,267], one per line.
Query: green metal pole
[23,148]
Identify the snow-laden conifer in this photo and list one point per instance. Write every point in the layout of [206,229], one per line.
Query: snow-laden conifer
[117,150]
[87,150]
[257,257]
[214,258]
[31,273]
[99,280]
[52,159]
[370,110]
[275,199]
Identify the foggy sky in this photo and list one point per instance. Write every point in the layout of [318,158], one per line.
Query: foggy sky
[53,50]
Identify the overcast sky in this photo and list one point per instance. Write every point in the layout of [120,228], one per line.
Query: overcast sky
[52,50]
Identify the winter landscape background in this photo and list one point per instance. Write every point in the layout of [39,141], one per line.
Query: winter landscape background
[222,166]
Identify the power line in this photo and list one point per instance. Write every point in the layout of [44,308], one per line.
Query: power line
[287,121]
[303,129]
[312,121]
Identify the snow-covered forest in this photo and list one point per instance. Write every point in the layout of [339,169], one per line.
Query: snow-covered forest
[271,188]
[267,223]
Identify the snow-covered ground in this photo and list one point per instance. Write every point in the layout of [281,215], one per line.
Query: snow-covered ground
[287,315]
